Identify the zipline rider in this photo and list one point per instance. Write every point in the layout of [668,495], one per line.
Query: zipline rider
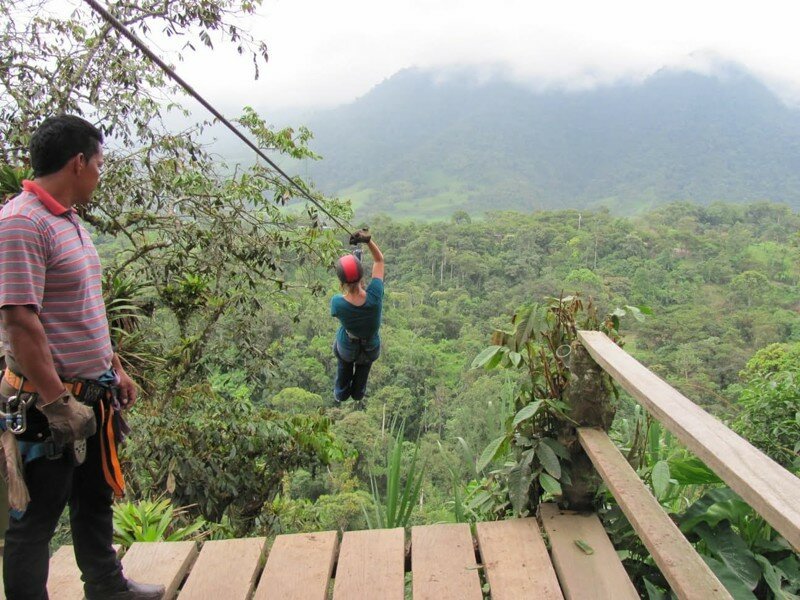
[63,377]
[358,343]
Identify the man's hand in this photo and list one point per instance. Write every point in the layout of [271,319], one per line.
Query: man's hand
[127,388]
[69,420]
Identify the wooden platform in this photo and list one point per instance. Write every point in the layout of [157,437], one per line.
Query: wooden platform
[506,560]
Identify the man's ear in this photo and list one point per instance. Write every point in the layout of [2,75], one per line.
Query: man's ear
[77,163]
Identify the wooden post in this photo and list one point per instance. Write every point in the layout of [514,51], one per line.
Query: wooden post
[589,399]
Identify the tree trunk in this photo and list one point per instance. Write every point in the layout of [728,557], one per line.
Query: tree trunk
[589,398]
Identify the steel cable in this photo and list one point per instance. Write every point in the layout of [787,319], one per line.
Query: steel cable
[116,24]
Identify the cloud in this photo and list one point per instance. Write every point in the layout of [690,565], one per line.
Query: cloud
[327,53]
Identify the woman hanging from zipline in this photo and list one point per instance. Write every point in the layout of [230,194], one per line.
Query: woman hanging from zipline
[358,308]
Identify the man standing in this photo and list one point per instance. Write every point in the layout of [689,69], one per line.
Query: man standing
[60,361]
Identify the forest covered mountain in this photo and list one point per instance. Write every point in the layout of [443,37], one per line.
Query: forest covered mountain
[425,144]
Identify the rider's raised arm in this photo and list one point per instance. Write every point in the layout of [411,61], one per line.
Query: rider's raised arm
[378,267]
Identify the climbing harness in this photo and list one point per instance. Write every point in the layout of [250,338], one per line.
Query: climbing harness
[362,355]
[92,392]
[124,31]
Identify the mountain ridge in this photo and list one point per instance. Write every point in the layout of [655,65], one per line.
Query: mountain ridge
[425,144]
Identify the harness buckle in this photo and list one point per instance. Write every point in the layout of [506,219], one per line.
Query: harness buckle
[14,410]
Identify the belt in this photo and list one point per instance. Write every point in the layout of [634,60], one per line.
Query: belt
[74,387]
[355,338]
[16,381]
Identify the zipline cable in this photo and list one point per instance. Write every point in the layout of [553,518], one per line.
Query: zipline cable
[116,24]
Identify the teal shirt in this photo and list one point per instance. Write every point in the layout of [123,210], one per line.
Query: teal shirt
[362,321]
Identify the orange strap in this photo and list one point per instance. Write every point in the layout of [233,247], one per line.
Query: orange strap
[15,381]
[107,431]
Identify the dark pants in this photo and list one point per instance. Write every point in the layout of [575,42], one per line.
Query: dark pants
[352,375]
[52,484]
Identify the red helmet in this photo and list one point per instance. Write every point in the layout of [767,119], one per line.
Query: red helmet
[349,269]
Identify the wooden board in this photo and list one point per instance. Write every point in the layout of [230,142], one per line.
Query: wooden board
[766,486]
[597,573]
[164,563]
[298,567]
[371,565]
[516,561]
[443,563]
[686,572]
[225,569]
[64,579]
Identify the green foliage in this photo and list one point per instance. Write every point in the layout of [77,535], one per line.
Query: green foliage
[742,550]
[738,545]
[529,448]
[343,511]
[226,457]
[11,180]
[402,486]
[295,400]
[676,476]
[153,521]
[769,404]
[127,314]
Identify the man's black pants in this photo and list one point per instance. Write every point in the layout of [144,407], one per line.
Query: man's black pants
[52,484]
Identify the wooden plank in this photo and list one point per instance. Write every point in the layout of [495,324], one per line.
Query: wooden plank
[443,563]
[686,572]
[371,565]
[515,560]
[164,563]
[766,486]
[225,569]
[64,578]
[598,575]
[299,567]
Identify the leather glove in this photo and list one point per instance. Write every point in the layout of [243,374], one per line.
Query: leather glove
[362,236]
[69,420]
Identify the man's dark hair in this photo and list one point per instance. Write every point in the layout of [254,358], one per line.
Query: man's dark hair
[58,139]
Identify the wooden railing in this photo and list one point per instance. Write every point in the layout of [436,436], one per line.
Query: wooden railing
[770,489]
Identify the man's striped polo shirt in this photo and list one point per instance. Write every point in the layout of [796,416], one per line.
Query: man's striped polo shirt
[48,261]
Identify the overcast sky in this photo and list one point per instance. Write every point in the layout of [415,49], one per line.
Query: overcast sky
[324,53]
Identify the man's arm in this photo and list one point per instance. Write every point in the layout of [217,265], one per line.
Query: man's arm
[377,259]
[67,418]
[31,350]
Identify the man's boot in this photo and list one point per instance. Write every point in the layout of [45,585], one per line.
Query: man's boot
[132,591]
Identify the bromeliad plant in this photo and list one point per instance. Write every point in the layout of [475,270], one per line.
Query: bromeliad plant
[393,507]
[530,456]
[11,180]
[153,521]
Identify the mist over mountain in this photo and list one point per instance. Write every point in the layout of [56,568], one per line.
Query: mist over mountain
[425,144]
